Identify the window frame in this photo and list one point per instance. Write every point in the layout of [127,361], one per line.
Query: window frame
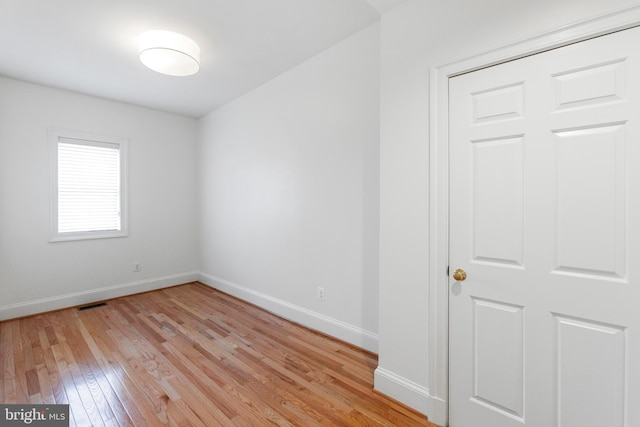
[54,138]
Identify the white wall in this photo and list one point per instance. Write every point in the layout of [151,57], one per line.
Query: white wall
[36,275]
[415,36]
[289,192]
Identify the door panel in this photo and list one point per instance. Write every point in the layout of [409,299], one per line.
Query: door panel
[497,186]
[498,351]
[545,220]
[590,367]
[593,244]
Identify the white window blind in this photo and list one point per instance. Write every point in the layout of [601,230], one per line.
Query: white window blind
[88,188]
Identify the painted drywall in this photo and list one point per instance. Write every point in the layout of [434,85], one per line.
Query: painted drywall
[415,36]
[289,192]
[36,275]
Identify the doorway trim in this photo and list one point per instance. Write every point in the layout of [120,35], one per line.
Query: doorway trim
[617,20]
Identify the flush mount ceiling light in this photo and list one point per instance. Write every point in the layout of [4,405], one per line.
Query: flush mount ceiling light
[169,53]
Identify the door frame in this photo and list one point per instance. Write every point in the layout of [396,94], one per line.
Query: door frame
[438,369]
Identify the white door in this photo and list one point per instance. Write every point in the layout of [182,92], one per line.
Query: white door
[545,221]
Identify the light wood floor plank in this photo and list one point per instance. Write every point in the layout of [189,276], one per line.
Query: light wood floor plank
[191,356]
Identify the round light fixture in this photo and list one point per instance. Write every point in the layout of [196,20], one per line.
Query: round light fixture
[169,53]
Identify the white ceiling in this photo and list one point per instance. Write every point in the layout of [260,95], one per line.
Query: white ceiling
[91,46]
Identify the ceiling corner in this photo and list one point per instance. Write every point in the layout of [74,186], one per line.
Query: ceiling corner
[383,5]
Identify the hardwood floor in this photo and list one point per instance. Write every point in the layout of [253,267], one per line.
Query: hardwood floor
[190,355]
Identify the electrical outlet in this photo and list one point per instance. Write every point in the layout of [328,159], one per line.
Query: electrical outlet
[136,266]
[321,293]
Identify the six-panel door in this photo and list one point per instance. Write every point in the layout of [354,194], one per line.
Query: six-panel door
[545,220]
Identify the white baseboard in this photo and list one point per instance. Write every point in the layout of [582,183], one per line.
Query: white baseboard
[411,394]
[310,319]
[27,308]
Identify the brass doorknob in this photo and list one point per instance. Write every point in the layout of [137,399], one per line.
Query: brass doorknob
[459,275]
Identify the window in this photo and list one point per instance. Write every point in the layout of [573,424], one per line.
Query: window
[88,186]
